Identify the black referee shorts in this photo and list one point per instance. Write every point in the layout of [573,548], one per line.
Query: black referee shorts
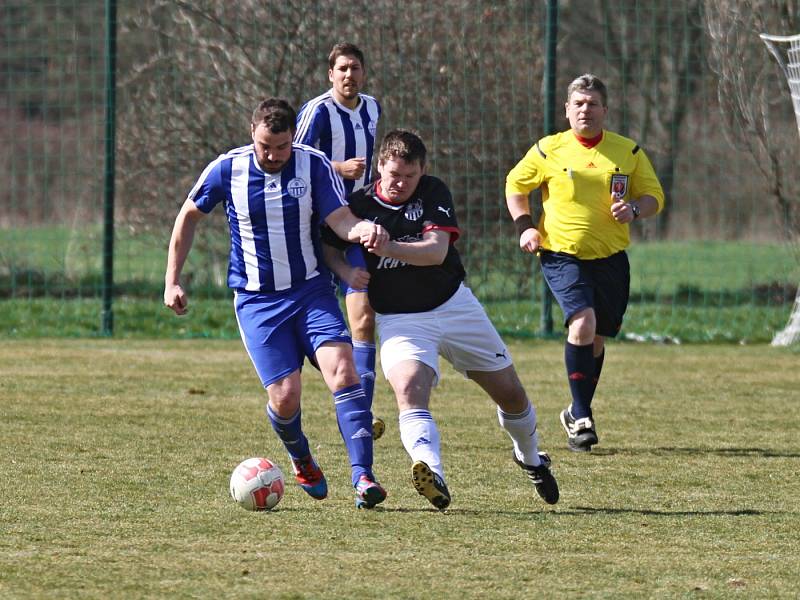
[601,283]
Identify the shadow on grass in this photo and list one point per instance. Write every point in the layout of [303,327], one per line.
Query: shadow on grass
[460,511]
[455,512]
[763,452]
[566,511]
[560,511]
[742,512]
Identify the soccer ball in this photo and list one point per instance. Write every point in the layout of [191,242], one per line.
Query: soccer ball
[257,484]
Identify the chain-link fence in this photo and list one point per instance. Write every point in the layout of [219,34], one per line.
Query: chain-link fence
[719,263]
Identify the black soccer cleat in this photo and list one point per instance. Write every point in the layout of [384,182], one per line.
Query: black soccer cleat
[430,485]
[542,478]
[581,434]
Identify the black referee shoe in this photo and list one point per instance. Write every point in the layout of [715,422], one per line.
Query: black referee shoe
[581,434]
[543,480]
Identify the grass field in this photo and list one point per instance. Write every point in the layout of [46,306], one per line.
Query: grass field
[117,456]
[701,291]
[139,318]
[60,257]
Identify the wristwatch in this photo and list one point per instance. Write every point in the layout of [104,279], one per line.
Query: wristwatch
[635,210]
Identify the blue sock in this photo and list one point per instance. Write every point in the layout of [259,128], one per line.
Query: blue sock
[580,371]
[364,358]
[355,425]
[290,433]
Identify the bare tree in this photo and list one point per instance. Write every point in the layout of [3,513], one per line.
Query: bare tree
[192,74]
[465,75]
[754,101]
[651,55]
[50,107]
[752,96]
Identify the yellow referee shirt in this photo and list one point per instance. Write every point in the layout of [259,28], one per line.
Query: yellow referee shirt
[576,190]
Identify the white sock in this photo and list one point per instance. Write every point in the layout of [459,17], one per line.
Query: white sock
[421,438]
[521,428]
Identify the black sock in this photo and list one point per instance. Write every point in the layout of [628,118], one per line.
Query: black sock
[580,364]
[598,368]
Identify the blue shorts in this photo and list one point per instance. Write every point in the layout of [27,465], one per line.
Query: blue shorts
[279,329]
[601,283]
[355,257]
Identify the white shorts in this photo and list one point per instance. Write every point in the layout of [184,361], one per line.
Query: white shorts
[459,330]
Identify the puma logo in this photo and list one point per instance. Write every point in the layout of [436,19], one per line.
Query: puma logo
[444,210]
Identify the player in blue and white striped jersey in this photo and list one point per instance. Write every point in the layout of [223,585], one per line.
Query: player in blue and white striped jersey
[346,135]
[342,123]
[275,195]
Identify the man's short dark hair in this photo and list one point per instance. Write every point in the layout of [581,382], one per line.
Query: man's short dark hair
[402,143]
[345,49]
[276,113]
[588,83]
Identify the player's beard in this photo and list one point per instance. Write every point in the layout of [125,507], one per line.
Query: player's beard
[350,90]
[272,167]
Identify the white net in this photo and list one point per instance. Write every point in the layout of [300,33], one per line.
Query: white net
[786,50]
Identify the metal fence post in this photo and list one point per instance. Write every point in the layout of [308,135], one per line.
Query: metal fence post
[108,220]
[551,33]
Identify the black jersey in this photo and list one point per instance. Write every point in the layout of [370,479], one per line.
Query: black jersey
[396,286]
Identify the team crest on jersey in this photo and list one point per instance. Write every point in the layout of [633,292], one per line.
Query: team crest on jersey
[297,188]
[372,127]
[414,210]
[619,185]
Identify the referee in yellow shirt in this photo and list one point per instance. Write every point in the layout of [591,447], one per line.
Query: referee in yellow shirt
[594,184]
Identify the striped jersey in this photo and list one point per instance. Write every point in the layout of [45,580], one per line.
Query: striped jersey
[339,132]
[274,219]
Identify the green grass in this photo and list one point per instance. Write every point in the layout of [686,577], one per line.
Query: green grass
[140,318]
[117,456]
[54,256]
[711,267]
[698,272]
[51,282]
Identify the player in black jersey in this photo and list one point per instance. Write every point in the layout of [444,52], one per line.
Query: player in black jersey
[416,287]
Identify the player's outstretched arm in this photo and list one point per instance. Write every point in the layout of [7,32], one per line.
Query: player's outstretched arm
[180,244]
[429,251]
[349,227]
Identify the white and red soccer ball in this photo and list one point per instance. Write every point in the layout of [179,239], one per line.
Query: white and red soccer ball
[257,484]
